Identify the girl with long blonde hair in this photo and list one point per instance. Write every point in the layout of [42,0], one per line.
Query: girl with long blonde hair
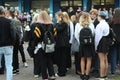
[62,43]
[86,52]
[44,23]
[44,18]
[70,34]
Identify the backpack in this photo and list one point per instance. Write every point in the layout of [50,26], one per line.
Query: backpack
[111,37]
[48,43]
[86,37]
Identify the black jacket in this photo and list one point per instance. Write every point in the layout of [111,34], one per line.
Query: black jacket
[42,28]
[7,32]
[116,29]
[62,38]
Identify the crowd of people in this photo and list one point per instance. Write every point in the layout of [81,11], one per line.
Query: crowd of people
[93,54]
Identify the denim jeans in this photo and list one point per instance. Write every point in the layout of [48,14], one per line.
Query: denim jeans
[113,52]
[8,53]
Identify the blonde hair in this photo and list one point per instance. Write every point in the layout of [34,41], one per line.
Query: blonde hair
[85,19]
[44,18]
[66,18]
[94,11]
[60,14]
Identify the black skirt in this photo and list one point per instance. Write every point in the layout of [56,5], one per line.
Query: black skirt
[86,50]
[103,45]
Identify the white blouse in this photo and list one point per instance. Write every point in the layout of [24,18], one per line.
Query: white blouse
[71,32]
[78,28]
[102,29]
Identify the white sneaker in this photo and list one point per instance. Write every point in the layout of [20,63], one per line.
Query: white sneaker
[36,76]
[52,77]
[25,64]
[56,75]
[101,79]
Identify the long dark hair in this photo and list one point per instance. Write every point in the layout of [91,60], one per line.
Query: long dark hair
[116,16]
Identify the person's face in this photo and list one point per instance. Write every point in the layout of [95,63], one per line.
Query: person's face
[104,9]
[58,17]
[99,18]
[7,14]
[93,16]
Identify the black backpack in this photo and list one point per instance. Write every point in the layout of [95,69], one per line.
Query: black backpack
[111,38]
[48,43]
[86,37]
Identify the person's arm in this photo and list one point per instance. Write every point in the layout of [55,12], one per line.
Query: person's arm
[13,32]
[98,35]
[77,31]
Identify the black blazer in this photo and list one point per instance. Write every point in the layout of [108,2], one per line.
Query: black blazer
[62,38]
[42,28]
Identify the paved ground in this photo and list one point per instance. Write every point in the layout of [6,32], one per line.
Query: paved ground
[27,73]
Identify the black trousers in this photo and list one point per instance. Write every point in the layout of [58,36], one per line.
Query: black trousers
[68,58]
[15,56]
[95,62]
[21,49]
[77,62]
[46,64]
[61,60]
[2,69]
[37,69]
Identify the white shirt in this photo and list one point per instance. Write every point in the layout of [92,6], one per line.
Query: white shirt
[102,29]
[78,28]
[71,32]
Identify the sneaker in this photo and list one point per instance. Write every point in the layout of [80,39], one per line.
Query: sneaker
[101,79]
[56,75]
[36,76]
[15,72]
[59,75]
[52,78]
[25,64]
[45,79]
[105,77]
[1,72]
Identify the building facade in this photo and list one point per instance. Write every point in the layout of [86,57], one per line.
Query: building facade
[55,5]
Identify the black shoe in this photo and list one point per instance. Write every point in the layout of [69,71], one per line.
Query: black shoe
[2,72]
[15,72]
[77,72]
[60,75]
[87,77]
[112,72]
[52,78]
[82,77]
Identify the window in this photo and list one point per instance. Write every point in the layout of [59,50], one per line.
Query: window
[64,3]
[15,3]
[109,2]
[40,4]
[102,2]
[96,2]
[77,3]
